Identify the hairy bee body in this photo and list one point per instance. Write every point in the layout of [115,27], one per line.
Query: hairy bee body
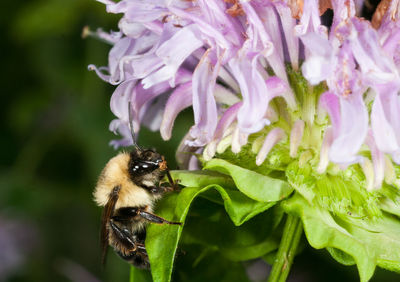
[128,187]
[116,173]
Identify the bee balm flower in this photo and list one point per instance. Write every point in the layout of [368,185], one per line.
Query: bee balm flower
[306,114]
[231,60]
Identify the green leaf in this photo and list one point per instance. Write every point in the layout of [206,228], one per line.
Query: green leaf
[239,207]
[202,178]
[139,275]
[256,194]
[270,257]
[211,266]
[369,242]
[254,185]
[253,239]
[341,256]
[162,240]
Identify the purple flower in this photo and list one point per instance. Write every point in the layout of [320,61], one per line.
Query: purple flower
[229,60]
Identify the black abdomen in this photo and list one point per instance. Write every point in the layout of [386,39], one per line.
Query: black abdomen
[127,241]
[137,259]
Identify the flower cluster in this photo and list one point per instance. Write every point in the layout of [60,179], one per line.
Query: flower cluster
[231,59]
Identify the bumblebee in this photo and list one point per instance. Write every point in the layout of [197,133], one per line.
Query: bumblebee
[128,187]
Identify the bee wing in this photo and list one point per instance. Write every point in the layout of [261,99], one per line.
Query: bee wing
[105,218]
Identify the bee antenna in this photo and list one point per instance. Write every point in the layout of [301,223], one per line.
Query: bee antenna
[131,127]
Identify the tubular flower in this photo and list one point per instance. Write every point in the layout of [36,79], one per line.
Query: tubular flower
[232,60]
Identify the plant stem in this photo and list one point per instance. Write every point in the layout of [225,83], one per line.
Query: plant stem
[287,249]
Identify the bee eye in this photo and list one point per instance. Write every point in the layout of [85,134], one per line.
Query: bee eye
[144,163]
[138,168]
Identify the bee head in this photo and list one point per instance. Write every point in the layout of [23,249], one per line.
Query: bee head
[143,162]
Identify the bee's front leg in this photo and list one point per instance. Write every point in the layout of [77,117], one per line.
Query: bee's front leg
[163,188]
[174,185]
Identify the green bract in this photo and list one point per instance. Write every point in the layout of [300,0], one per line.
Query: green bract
[238,193]
[231,214]
[365,242]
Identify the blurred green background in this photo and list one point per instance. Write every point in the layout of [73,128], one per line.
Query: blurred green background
[54,140]
[54,143]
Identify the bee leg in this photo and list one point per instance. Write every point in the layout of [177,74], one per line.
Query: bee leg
[156,189]
[126,214]
[161,189]
[133,250]
[174,184]
[124,236]
[155,218]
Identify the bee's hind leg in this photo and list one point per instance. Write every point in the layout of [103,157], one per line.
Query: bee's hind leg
[133,249]
[124,236]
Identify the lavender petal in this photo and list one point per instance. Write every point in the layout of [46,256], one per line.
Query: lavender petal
[180,99]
